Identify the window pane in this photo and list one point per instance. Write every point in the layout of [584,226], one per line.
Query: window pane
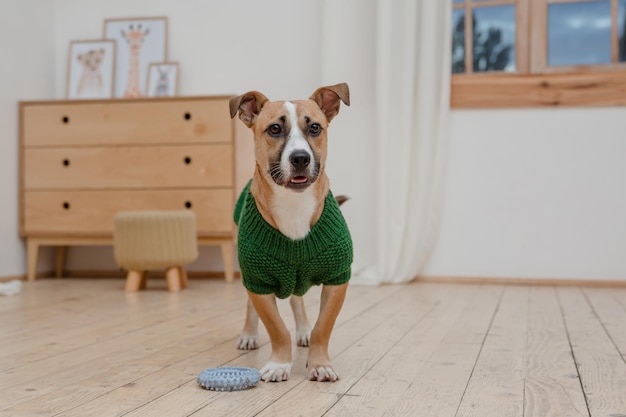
[494,38]
[579,33]
[621,26]
[458,41]
[458,1]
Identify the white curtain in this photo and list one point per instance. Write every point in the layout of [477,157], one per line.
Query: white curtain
[412,87]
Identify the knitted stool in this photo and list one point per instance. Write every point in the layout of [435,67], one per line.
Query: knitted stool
[144,240]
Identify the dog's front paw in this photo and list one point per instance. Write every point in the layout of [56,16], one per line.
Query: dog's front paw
[322,373]
[303,338]
[275,372]
[248,342]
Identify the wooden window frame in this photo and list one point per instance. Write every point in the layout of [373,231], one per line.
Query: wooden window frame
[535,84]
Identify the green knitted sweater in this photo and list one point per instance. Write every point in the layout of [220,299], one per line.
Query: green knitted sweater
[270,262]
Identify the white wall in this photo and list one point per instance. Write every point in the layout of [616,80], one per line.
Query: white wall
[535,194]
[27,72]
[223,47]
[349,56]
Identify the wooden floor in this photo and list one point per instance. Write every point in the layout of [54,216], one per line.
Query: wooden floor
[85,348]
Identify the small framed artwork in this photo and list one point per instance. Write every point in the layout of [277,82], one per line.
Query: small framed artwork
[140,41]
[91,69]
[162,79]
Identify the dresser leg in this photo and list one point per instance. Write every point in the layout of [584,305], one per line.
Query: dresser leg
[32,253]
[228,259]
[60,265]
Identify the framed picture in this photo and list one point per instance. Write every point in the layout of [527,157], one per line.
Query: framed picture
[162,79]
[91,69]
[140,41]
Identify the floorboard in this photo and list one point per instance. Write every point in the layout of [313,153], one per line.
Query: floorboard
[79,347]
[496,386]
[601,368]
[552,386]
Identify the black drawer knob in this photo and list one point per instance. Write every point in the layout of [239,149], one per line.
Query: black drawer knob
[65,119]
[66,162]
[188,204]
[66,205]
[187,160]
[187,116]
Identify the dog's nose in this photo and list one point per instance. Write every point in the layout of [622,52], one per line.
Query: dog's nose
[300,159]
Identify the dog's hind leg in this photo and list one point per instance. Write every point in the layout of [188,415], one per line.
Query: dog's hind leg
[249,337]
[303,328]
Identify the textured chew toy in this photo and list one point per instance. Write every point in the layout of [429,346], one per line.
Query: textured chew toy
[228,378]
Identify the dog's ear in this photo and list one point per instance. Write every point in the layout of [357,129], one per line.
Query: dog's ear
[329,98]
[249,105]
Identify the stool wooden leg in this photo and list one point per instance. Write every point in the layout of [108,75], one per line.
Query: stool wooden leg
[184,282]
[173,279]
[133,280]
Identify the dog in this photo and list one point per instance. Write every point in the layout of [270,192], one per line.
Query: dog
[249,339]
[292,234]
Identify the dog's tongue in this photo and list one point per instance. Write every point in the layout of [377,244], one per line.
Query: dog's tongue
[299,180]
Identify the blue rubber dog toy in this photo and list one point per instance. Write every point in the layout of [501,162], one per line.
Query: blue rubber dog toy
[228,378]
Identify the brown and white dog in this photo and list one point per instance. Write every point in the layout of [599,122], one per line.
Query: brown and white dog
[289,187]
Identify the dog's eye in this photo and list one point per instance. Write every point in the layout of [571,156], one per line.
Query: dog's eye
[315,129]
[275,130]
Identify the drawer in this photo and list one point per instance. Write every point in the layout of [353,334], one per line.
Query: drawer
[126,122]
[91,212]
[129,167]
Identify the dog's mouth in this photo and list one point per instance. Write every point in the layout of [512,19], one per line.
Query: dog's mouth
[298,182]
[300,179]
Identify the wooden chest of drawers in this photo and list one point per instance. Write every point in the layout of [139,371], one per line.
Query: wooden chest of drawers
[83,161]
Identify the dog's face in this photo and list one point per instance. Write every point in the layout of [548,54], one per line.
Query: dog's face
[290,142]
[291,136]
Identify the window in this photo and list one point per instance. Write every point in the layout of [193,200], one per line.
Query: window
[521,53]
[483,36]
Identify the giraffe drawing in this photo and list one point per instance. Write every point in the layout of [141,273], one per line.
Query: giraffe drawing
[134,38]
